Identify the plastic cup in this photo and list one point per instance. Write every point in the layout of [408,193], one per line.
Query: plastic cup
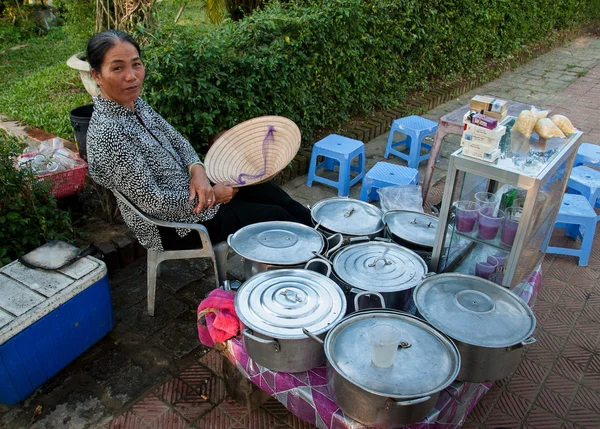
[485,267]
[500,258]
[487,201]
[466,215]
[489,224]
[384,345]
[511,224]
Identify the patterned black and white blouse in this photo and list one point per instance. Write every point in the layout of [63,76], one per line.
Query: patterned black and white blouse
[141,155]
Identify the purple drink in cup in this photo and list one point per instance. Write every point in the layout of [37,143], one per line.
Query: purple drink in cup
[489,224]
[511,224]
[466,215]
[486,267]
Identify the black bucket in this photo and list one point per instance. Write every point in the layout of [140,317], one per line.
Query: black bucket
[80,119]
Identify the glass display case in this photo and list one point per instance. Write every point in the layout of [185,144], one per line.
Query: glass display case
[532,184]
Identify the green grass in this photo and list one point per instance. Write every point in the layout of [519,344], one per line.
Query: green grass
[38,88]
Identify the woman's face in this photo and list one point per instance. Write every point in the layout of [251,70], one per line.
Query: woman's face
[121,75]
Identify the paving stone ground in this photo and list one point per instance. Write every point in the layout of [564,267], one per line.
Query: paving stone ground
[145,373]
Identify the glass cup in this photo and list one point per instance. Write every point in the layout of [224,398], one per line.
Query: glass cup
[384,344]
[489,223]
[511,224]
[466,215]
[487,200]
[485,267]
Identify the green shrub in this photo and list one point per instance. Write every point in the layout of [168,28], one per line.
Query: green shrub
[320,62]
[28,213]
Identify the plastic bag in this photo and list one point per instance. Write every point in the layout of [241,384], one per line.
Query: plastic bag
[563,123]
[401,197]
[539,114]
[547,129]
[525,123]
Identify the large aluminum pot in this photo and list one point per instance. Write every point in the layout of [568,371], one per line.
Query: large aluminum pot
[426,363]
[413,230]
[377,266]
[274,307]
[490,325]
[349,217]
[274,245]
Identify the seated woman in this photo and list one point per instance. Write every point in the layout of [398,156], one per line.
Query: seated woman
[134,150]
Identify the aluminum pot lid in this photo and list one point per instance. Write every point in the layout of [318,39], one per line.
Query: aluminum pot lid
[280,303]
[379,267]
[474,311]
[428,365]
[348,216]
[414,227]
[278,243]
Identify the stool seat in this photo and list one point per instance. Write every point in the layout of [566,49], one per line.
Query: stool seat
[588,154]
[585,181]
[337,150]
[415,128]
[384,174]
[576,211]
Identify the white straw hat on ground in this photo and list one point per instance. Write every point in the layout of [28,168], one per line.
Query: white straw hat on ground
[253,151]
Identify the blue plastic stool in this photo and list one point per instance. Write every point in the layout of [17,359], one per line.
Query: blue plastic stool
[415,128]
[576,210]
[588,154]
[585,181]
[337,150]
[385,174]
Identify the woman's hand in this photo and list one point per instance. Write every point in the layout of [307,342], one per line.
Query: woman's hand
[200,187]
[224,192]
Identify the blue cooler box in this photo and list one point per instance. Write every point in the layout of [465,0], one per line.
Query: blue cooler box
[47,319]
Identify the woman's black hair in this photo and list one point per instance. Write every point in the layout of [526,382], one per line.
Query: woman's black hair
[100,43]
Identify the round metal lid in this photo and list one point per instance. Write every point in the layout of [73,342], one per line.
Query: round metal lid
[379,267]
[280,243]
[428,365]
[280,303]
[474,311]
[415,227]
[348,216]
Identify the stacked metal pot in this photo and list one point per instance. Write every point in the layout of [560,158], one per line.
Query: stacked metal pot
[293,309]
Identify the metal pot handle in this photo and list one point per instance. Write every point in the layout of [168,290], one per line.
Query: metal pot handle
[390,402]
[246,333]
[312,336]
[366,292]
[358,239]
[320,260]
[383,239]
[523,343]
[337,240]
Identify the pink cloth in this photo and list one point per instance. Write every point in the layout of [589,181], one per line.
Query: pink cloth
[217,321]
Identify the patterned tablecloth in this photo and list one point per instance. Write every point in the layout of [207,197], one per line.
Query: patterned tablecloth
[305,394]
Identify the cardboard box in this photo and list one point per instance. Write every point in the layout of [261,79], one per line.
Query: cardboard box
[488,105]
[476,130]
[479,143]
[474,153]
[47,319]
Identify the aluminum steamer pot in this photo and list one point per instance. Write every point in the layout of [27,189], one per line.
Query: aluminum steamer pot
[376,266]
[274,245]
[426,363]
[489,324]
[349,217]
[274,307]
[413,230]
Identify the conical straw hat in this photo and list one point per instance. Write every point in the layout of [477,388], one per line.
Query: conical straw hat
[249,153]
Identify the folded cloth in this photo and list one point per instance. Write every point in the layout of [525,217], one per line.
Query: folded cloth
[217,321]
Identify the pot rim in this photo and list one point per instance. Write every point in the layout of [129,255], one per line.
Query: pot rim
[281,224]
[326,201]
[442,329]
[373,312]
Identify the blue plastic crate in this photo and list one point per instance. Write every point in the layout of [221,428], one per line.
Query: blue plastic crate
[47,319]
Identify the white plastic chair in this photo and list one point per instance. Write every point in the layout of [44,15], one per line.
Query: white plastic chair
[218,254]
